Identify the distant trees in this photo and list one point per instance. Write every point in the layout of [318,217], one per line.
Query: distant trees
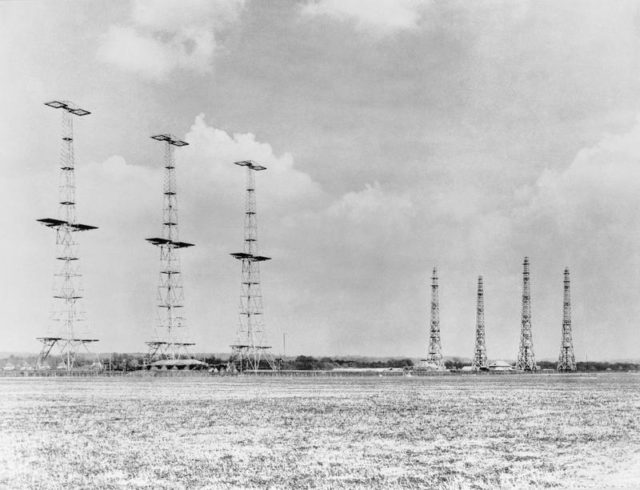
[592,366]
[214,361]
[547,365]
[595,366]
[131,362]
[307,363]
[455,363]
[122,362]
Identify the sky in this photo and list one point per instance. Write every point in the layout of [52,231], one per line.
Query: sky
[399,135]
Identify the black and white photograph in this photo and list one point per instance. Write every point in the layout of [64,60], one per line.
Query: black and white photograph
[328,244]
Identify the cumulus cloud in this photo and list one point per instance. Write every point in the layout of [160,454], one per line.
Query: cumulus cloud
[385,16]
[371,203]
[585,217]
[131,51]
[600,186]
[369,221]
[163,36]
[166,15]
[211,155]
[600,190]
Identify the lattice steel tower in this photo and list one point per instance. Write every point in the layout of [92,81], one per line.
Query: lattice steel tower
[434,357]
[526,359]
[170,339]
[567,360]
[249,347]
[66,336]
[480,353]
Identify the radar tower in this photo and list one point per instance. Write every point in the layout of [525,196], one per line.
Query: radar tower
[526,359]
[567,360]
[249,349]
[170,339]
[480,353]
[434,358]
[68,334]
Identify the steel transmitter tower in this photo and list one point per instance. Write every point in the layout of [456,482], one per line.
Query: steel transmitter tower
[66,336]
[480,354]
[526,359]
[567,360]
[434,357]
[249,347]
[170,340]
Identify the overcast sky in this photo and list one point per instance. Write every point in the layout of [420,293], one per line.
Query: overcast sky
[399,135]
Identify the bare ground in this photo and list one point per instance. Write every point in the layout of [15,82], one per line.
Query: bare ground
[450,432]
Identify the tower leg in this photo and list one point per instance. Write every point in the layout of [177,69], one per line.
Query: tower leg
[47,345]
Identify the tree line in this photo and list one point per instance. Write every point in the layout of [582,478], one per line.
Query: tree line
[132,362]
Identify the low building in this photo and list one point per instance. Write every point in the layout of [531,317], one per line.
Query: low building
[500,366]
[178,364]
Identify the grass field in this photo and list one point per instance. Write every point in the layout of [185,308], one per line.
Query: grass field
[435,432]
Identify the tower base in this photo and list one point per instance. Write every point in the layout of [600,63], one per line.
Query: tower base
[527,368]
[251,358]
[67,349]
[429,365]
[567,362]
[160,350]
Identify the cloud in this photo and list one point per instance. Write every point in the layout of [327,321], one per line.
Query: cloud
[600,190]
[167,15]
[168,35]
[371,204]
[585,217]
[369,222]
[384,16]
[131,51]
[212,152]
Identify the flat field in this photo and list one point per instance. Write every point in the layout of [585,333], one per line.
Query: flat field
[447,432]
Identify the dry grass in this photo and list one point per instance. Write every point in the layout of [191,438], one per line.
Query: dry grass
[442,432]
